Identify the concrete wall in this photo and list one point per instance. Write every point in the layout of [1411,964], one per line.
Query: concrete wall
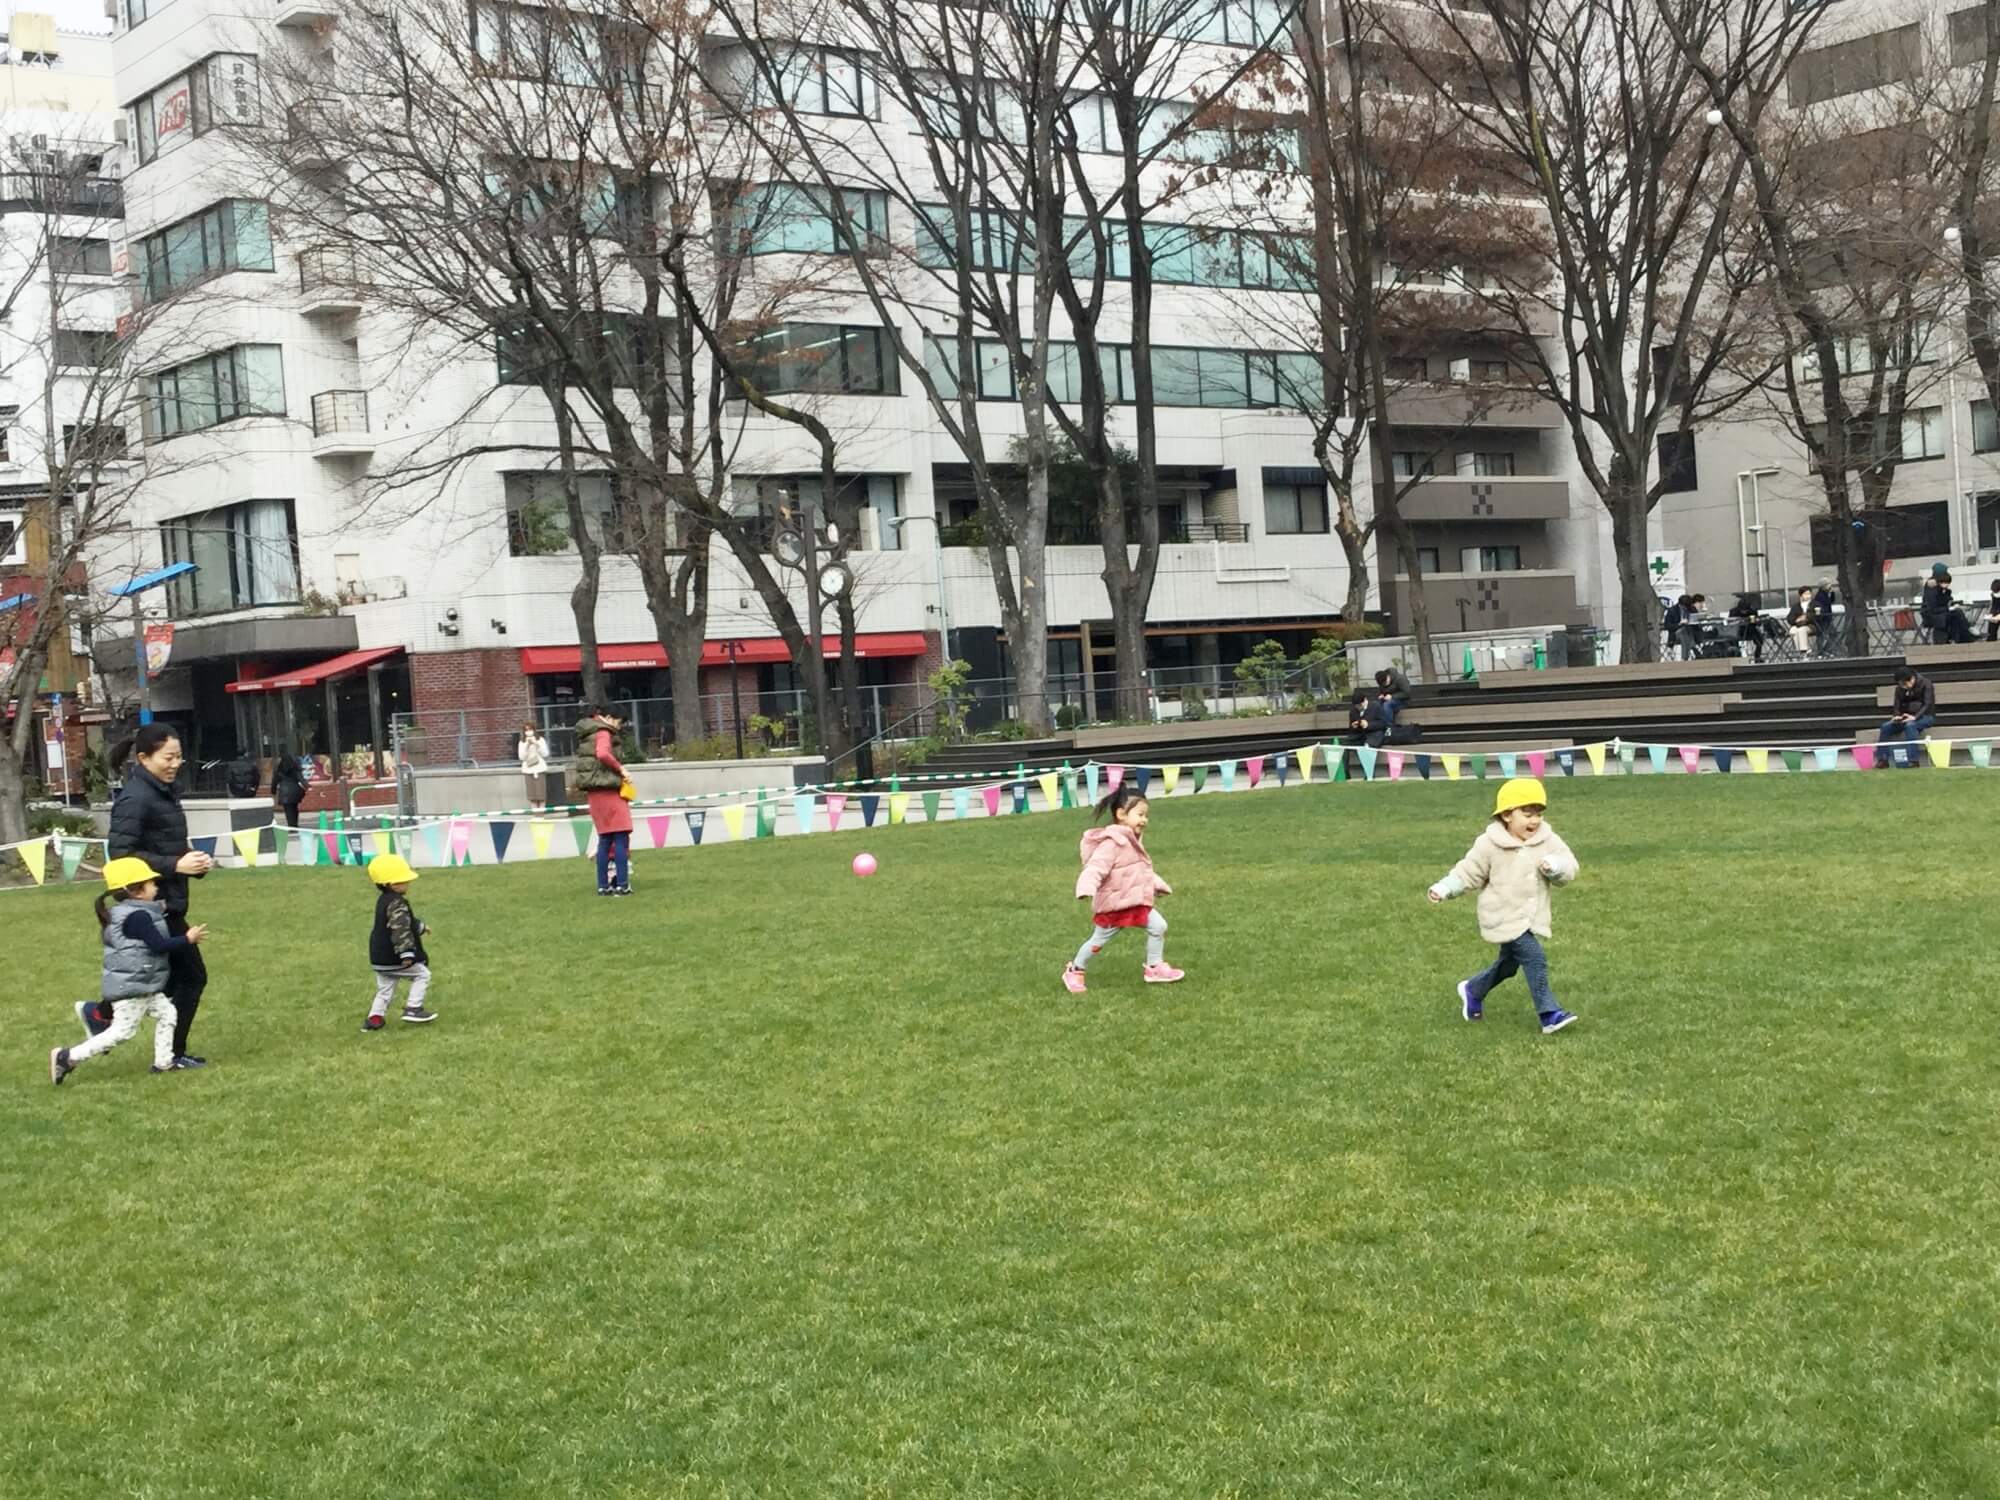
[500,790]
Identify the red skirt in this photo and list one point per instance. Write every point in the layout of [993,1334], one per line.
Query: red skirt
[1130,916]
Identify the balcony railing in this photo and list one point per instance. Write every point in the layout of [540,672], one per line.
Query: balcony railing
[57,192]
[327,268]
[338,412]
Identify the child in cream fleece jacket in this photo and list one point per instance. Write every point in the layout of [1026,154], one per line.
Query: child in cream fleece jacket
[1512,864]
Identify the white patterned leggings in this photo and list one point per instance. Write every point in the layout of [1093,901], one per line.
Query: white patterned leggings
[386,981]
[125,1017]
[1156,940]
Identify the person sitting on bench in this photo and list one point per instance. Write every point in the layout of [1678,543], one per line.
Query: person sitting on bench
[1943,621]
[1916,711]
[1391,683]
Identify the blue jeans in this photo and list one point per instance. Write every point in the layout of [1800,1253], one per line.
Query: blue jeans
[1909,733]
[1521,955]
[607,844]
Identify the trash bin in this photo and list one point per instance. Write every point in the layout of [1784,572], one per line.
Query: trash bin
[1582,645]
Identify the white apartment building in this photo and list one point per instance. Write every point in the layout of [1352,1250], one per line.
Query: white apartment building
[326,602]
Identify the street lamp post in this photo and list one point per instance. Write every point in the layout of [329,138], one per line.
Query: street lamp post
[158,578]
[1764,555]
[729,649]
[937,569]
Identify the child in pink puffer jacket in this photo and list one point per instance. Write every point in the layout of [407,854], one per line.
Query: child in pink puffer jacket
[1119,883]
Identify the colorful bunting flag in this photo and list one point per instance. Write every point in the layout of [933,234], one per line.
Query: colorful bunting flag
[1981,752]
[1596,754]
[836,803]
[931,806]
[1424,766]
[1021,796]
[1170,777]
[1691,758]
[377,844]
[1228,768]
[1049,790]
[1305,754]
[329,853]
[72,856]
[899,807]
[991,795]
[1366,755]
[1940,753]
[1657,754]
[1280,761]
[309,846]
[802,811]
[1628,753]
[1864,756]
[1506,765]
[870,801]
[1760,761]
[35,854]
[1200,779]
[502,833]
[1255,768]
[767,818]
[1566,759]
[1090,780]
[1826,757]
[732,819]
[461,840]
[661,825]
[434,842]
[580,829]
[1723,760]
[248,841]
[1144,774]
[1112,776]
[1068,786]
[961,803]
[1794,760]
[1450,766]
[1395,765]
[1478,767]
[206,844]
[1338,755]
[1537,763]
[541,833]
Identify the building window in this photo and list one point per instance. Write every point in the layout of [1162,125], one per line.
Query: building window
[94,443]
[1294,509]
[544,45]
[85,348]
[622,348]
[234,235]
[1923,433]
[1677,464]
[1989,520]
[778,500]
[1223,379]
[1411,368]
[9,415]
[1895,532]
[1489,371]
[247,380]
[538,521]
[218,90]
[245,555]
[1410,464]
[823,81]
[1500,559]
[829,357]
[1427,560]
[1866,62]
[786,218]
[1985,430]
[77,256]
[1493,465]
[1968,36]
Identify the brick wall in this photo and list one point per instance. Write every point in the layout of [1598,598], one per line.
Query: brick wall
[455,680]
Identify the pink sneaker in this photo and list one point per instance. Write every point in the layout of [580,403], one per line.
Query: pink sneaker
[1162,974]
[1073,979]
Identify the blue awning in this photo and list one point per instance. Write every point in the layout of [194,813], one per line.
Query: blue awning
[151,580]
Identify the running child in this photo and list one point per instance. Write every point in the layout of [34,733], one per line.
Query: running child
[1512,864]
[396,945]
[132,922]
[1119,883]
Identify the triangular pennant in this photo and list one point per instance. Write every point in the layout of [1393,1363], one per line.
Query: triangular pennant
[1068,787]
[1144,776]
[1450,767]
[732,819]
[1113,775]
[1627,754]
[1478,763]
[961,803]
[206,844]
[1506,764]
[1596,754]
[1090,781]
[1424,766]
[1305,754]
[1395,765]
[1280,762]
[1228,768]
[1760,761]
[1826,757]
[542,834]
[580,830]
[1366,755]
[661,826]
[461,841]
[931,806]
[310,851]
[899,807]
[870,801]
[1050,791]
[1657,754]
[1794,760]
[1691,758]
[1537,763]
[72,856]
[329,851]
[1200,778]
[1940,753]
[802,811]
[248,842]
[1020,790]
[836,804]
[1566,760]
[1981,752]
[35,855]
[697,819]
[503,834]
[1338,755]
[1170,777]
[1724,759]
[1864,757]
[992,796]
[378,844]
[434,842]
[767,819]
[1254,767]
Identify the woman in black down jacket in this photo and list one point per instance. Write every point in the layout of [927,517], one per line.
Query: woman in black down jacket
[147,823]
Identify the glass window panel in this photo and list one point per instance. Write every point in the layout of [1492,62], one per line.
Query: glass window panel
[252,224]
[1985,428]
[1173,247]
[864,360]
[1176,377]
[1223,378]
[261,379]
[996,371]
[941,361]
[1065,374]
[1301,381]
[200,402]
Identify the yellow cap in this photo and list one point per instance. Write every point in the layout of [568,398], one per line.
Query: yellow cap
[390,869]
[1522,791]
[124,873]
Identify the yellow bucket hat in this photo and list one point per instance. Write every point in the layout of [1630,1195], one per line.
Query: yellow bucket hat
[125,872]
[390,869]
[1522,791]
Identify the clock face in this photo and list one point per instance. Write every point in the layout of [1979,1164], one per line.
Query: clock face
[789,548]
[835,580]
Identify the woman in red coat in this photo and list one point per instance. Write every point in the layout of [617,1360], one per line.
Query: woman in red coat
[600,777]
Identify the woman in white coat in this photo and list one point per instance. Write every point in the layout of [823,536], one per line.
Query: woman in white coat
[533,753]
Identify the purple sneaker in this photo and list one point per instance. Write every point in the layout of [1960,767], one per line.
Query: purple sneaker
[1471,1009]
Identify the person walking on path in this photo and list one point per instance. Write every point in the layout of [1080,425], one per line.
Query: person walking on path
[599,775]
[288,785]
[1119,883]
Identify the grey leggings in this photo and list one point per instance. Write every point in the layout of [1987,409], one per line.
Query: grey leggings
[1156,941]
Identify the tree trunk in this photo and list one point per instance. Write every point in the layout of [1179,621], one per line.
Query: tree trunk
[1027,625]
[13,797]
[26,675]
[583,597]
[677,598]
[1638,600]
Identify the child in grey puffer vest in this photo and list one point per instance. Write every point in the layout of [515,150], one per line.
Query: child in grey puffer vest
[136,947]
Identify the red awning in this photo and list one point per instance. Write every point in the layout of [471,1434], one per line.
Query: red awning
[538,661]
[343,665]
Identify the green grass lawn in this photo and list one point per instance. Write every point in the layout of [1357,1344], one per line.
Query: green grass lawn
[771,1181]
